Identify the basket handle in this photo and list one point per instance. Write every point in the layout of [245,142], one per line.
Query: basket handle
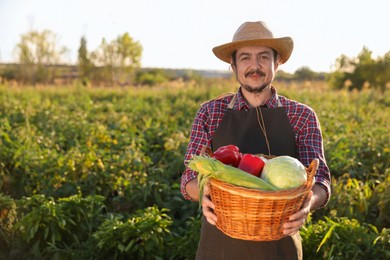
[311,172]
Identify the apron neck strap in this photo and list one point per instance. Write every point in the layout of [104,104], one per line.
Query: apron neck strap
[278,100]
[231,104]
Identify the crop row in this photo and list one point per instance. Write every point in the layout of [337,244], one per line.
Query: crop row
[95,173]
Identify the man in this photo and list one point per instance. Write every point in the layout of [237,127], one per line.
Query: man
[286,127]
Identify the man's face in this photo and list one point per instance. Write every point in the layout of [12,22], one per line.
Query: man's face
[255,68]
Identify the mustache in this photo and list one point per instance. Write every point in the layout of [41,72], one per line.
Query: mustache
[257,71]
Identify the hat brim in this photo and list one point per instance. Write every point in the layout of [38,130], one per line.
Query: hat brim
[283,46]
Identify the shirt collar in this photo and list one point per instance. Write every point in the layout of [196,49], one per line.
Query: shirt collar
[242,104]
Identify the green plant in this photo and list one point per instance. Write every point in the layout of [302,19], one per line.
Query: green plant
[185,240]
[50,226]
[343,238]
[352,198]
[141,236]
[382,201]
[8,216]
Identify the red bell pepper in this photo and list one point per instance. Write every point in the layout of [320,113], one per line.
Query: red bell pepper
[228,154]
[252,164]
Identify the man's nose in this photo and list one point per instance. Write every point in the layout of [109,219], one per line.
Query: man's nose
[256,63]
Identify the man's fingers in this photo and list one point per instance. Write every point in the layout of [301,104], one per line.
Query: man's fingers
[297,220]
[208,210]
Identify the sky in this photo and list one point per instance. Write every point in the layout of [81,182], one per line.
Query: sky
[181,33]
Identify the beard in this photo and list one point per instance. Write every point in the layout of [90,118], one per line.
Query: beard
[254,89]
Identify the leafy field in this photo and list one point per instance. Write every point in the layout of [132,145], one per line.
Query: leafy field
[95,172]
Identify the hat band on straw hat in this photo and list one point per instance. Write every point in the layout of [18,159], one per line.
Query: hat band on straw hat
[255,34]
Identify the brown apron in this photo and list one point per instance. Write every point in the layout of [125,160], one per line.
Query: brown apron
[241,128]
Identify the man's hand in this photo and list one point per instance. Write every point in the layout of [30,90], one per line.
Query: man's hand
[298,219]
[208,206]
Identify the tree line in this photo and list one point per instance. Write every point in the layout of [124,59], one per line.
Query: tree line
[41,59]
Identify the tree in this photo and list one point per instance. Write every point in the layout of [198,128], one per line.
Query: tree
[304,73]
[361,72]
[119,58]
[36,51]
[342,67]
[151,77]
[84,63]
[364,69]
[382,77]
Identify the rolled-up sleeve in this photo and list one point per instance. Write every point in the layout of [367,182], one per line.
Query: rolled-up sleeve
[310,147]
[199,137]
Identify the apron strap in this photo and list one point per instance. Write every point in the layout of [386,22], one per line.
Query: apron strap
[231,104]
[278,100]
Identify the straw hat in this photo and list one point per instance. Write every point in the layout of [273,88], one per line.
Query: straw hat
[255,34]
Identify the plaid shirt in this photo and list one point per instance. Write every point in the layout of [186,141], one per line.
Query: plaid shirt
[303,119]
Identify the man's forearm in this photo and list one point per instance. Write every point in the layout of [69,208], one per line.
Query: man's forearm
[319,196]
[192,189]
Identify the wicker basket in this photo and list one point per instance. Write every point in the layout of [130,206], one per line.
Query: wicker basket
[257,215]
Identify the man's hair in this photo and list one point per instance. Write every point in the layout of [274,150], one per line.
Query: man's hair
[234,58]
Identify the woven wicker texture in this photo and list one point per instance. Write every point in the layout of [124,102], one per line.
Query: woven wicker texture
[257,215]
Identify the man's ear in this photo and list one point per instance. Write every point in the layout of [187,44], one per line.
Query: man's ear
[233,66]
[277,62]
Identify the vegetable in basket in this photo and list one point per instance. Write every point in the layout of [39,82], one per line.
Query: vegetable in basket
[211,168]
[252,164]
[284,172]
[228,154]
